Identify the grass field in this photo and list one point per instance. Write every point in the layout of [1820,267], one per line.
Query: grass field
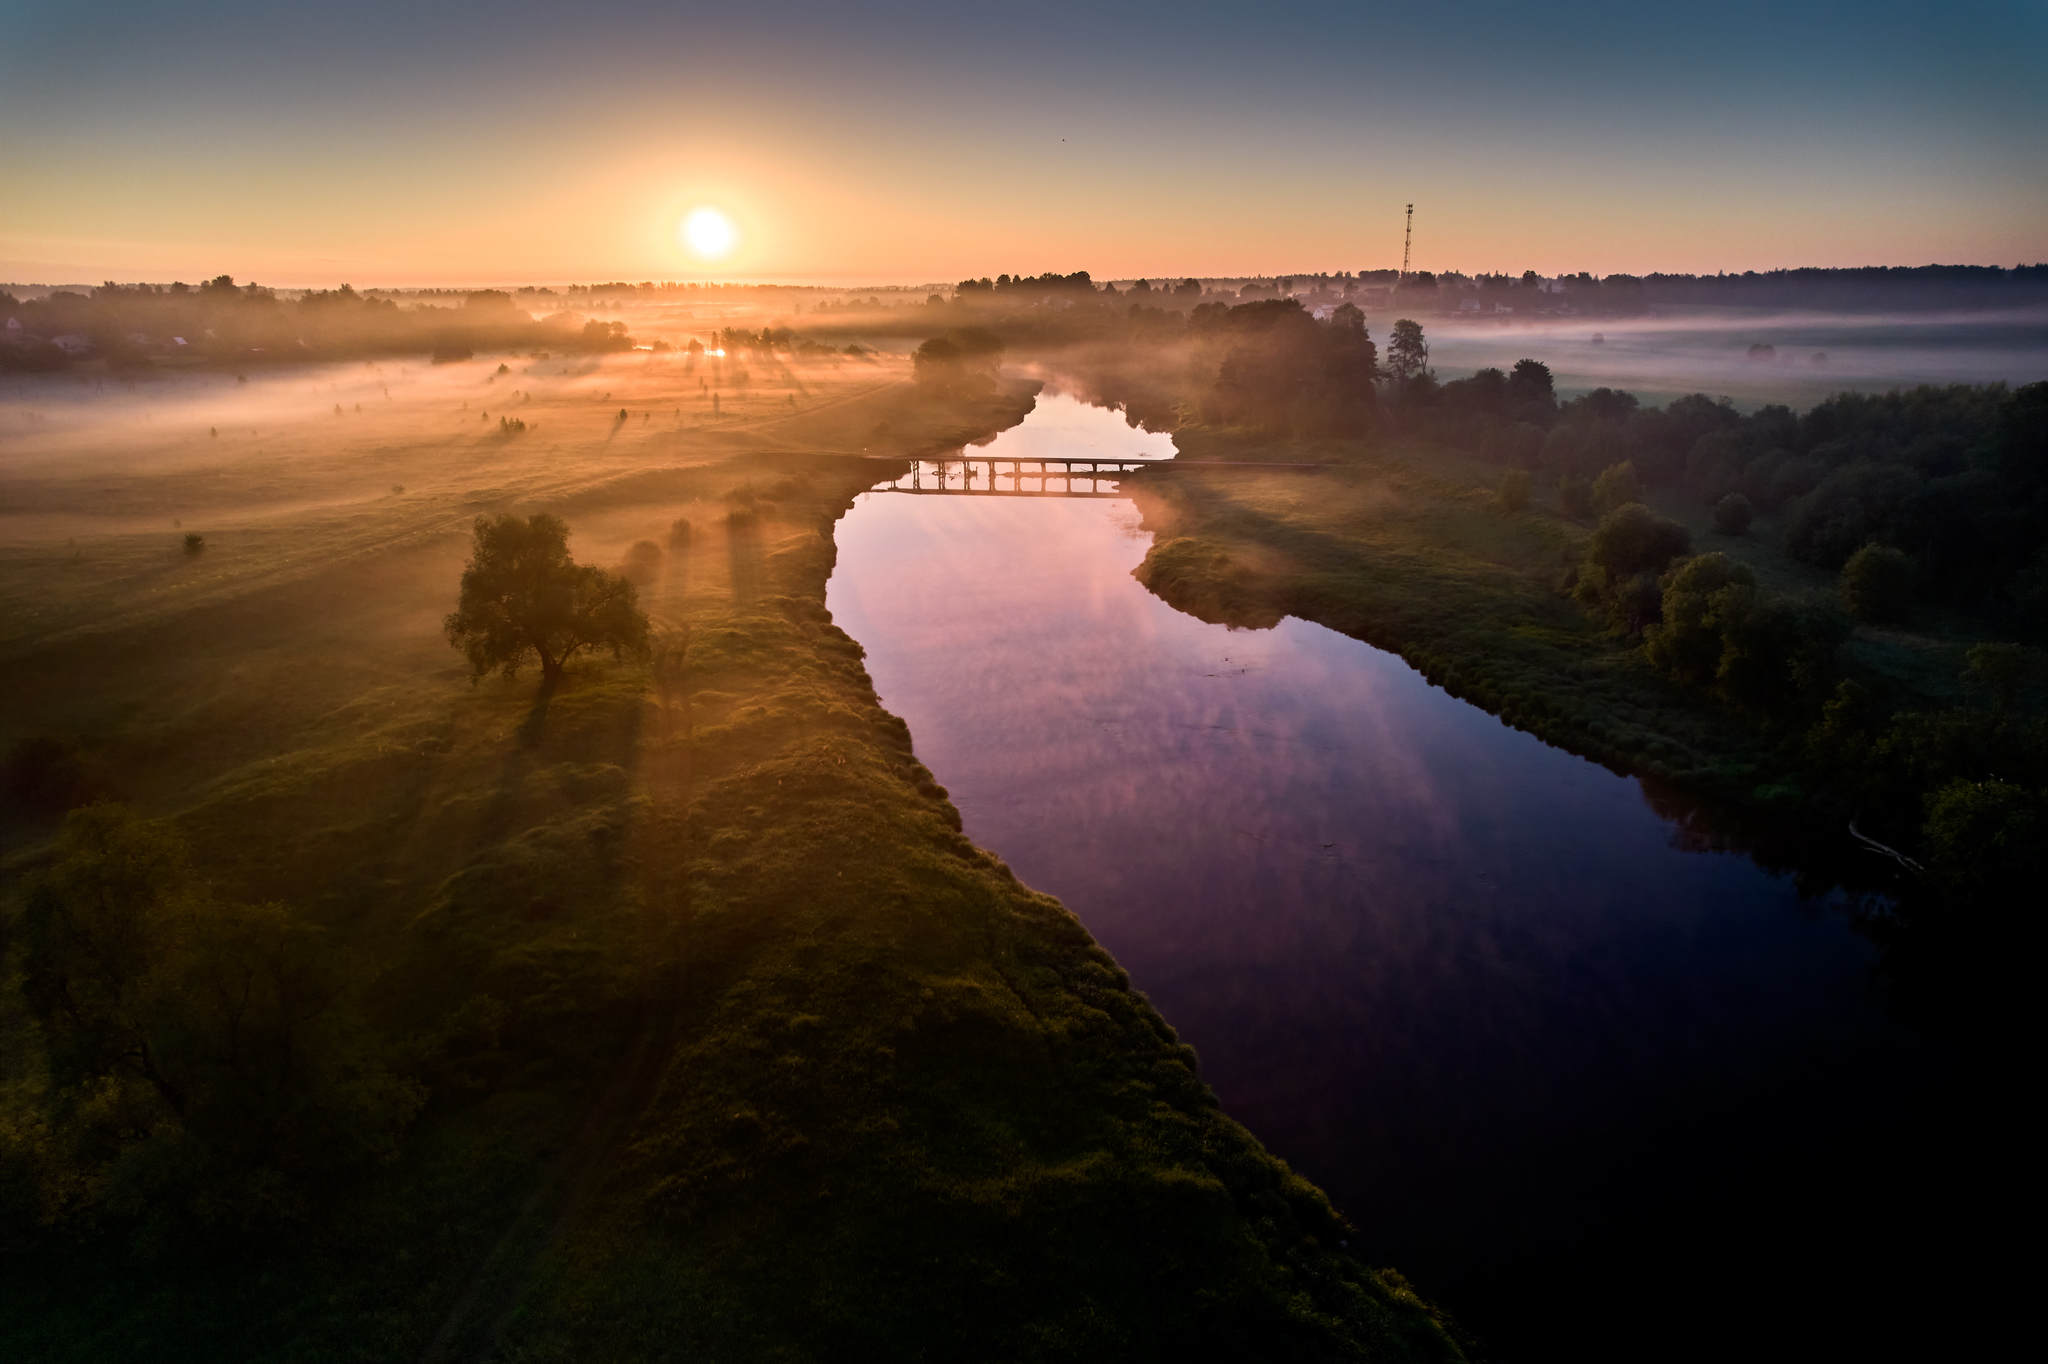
[737,1048]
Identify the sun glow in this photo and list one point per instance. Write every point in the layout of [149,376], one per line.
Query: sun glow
[709,233]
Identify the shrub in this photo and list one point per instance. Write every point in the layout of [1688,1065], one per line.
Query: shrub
[194,542]
[1877,583]
[1732,514]
[679,532]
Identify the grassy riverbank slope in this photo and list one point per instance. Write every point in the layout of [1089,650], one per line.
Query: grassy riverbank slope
[1406,549]
[731,1044]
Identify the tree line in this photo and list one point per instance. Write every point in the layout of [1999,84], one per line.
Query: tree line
[141,325]
[1929,508]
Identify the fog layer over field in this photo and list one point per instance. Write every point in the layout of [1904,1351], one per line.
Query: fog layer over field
[1810,356]
[292,472]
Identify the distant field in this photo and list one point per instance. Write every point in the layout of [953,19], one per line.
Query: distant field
[1708,350]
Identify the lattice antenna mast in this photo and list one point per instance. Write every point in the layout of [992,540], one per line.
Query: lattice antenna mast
[1407,241]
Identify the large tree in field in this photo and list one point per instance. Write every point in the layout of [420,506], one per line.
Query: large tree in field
[522,595]
[1407,352]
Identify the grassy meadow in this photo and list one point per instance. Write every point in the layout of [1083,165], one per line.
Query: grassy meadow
[731,1045]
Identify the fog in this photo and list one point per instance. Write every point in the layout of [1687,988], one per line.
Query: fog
[1812,354]
[295,472]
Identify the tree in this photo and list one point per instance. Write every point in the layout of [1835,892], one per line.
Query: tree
[963,360]
[1624,555]
[202,1055]
[1407,351]
[1530,386]
[1984,843]
[1732,514]
[1616,486]
[1776,652]
[1632,539]
[2002,671]
[1877,583]
[521,595]
[1686,643]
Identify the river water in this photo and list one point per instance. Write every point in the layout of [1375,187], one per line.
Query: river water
[1601,1095]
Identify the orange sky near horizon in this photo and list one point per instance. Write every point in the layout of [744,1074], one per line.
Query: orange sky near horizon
[925,145]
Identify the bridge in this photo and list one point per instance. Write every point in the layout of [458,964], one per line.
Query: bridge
[971,475]
[1038,475]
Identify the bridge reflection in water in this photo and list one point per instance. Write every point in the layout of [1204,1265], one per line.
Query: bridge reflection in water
[983,476]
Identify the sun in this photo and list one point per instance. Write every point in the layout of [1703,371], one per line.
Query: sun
[709,233]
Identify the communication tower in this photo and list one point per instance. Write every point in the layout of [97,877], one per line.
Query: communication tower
[1407,240]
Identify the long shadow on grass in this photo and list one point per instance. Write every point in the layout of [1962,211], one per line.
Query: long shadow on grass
[745,555]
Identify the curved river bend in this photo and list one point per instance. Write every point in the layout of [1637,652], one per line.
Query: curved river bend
[1600,1095]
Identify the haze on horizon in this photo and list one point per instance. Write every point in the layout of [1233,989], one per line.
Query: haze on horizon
[386,144]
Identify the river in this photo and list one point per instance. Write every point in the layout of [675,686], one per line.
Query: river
[1601,1095]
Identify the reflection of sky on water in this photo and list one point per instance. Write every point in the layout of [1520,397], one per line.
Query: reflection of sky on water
[1462,979]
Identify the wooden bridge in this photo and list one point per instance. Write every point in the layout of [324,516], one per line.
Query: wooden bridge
[966,475]
[1039,475]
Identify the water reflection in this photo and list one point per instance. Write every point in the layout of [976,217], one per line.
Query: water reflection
[1471,984]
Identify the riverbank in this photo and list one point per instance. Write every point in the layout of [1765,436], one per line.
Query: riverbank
[1388,549]
[736,1046]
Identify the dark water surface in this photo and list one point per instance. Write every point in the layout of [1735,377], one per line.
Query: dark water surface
[1602,1096]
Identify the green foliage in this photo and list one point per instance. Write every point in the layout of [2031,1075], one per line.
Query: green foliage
[1877,584]
[688,995]
[1760,650]
[204,1060]
[1686,643]
[1203,580]
[2002,672]
[1616,487]
[1987,842]
[964,361]
[1283,371]
[1407,351]
[522,595]
[1733,513]
[1531,391]
[1635,603]
[1624,555]
[1776,653]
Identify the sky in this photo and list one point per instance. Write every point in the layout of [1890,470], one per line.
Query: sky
[385,143]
